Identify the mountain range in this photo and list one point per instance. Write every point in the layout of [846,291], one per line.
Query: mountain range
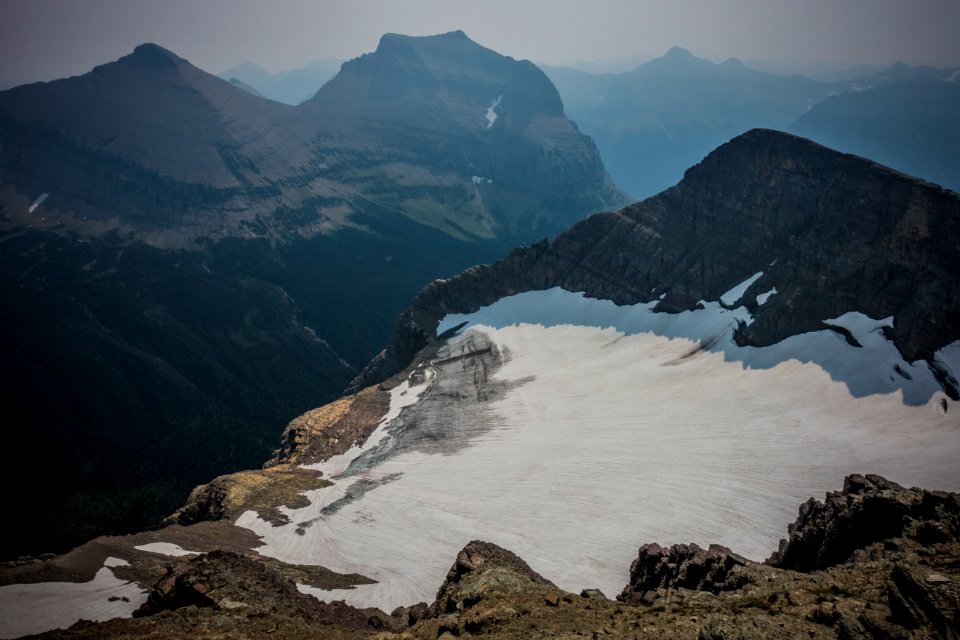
[190,266]
[911,125]
[680,372]
[655,121]
[289,87]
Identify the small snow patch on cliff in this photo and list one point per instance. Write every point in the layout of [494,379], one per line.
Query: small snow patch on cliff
[491,111]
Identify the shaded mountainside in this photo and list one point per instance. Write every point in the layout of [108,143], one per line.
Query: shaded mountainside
[168,116]
[892,581]
[134,374]
[911,125]
[831,232]
[189,266]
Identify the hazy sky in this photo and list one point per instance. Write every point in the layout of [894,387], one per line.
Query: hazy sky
[44,39]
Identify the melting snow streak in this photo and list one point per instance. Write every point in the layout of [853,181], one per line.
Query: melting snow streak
[38,202]
[491,113]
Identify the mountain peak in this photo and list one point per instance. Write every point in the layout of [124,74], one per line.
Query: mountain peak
[679,53]
[152,56]
[676,60]
[414,68]
[451,38]
[454,35]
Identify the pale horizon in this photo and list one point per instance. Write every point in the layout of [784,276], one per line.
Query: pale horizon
[46,39]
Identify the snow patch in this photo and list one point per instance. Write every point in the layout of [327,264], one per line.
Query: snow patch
[948,359]
[166,549]
[38,202]
[115,562]
[733,295]
[34,608]
[491,114]
[763,297]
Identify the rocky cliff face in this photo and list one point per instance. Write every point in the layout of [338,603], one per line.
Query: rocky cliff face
[830,232]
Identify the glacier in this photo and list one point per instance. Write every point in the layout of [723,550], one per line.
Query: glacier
[606,427]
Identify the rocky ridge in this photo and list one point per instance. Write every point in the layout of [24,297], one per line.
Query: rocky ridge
[831,232]
[891,587]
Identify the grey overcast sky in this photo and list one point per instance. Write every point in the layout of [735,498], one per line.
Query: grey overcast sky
[45,39]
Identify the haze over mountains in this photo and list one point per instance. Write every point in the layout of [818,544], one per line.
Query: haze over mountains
[208,264]
[654,118]
[290,86]
[655,121]
[911,125]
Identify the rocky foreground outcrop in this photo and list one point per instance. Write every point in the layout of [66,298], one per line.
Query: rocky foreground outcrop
[892,585]
[235,582]
[683,566]
[869,509]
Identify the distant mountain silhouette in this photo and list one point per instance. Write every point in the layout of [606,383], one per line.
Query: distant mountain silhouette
[651,123]
[289,87]
[899,72]
[911,125]
[240,84]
